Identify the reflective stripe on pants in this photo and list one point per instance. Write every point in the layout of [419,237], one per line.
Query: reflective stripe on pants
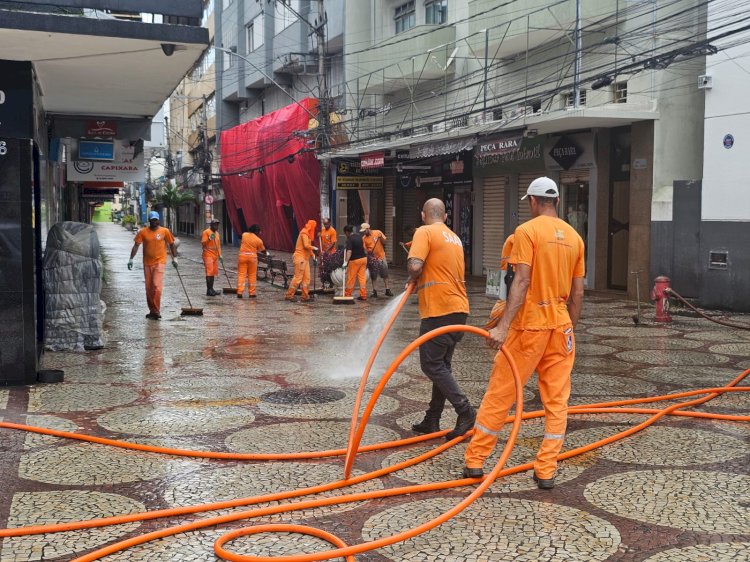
[301,278]
[247,272]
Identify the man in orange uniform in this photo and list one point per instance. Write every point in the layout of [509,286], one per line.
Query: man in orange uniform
[247,262]
[374,240]
[303,251]
[537,328]
[155,239]
[211,255]
[355,263]
[436,266]
[327,238]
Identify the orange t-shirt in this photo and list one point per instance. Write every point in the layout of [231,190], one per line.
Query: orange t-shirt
[303,249]
[251,244]
[154,244]
[328,237]
[505,253]
[441,285]
[554,251]
[376,248]
[211,248]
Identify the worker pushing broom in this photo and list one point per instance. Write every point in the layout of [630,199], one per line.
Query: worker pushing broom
[155,240]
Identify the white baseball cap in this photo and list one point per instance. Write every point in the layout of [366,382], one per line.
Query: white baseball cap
[542,187]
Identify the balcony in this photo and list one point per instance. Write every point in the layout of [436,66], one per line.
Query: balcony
[422,54]
[509,25]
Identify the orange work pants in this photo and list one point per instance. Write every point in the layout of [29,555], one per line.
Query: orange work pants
[301,277]
[211,265]
[154,275]
[356,269]
[247,272]
[551,353]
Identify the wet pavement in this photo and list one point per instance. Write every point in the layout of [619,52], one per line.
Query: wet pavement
[268,376]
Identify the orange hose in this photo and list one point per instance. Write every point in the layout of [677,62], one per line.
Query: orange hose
[349,459]
[347,551]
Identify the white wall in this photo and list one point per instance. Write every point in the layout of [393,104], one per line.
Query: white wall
[726,195]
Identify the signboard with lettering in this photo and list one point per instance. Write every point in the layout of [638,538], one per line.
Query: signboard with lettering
[373,160]
[125,167]
[359,182]
[101,128]
[528,155]
[501,144]
[575,151]
[565,152]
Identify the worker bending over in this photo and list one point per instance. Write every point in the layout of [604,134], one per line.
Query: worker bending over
[303,251]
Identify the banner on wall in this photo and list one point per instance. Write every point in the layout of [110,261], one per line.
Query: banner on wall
[126,166]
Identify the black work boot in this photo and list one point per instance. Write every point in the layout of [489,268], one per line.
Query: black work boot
[388,293]
[430,424]
[543,483]
[464,423]
[374,294]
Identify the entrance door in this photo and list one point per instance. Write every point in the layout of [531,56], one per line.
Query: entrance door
[462,221]
[619,223]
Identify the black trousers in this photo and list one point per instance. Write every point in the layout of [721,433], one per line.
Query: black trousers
[435,359]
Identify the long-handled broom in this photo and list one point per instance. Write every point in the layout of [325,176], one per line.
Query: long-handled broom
[226,290]
[343,299]
[190,311]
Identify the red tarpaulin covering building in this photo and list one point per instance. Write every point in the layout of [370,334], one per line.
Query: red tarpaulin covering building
[285,194]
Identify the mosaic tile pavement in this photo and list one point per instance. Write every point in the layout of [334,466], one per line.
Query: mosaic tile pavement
[274,377]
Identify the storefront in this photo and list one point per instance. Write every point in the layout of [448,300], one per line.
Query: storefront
[505,165]
[360,193]
[442,170]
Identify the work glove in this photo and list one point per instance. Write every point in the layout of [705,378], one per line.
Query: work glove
[221,259]
[174,263]
[345,264]
[130,265]
[212,237]
[314,249]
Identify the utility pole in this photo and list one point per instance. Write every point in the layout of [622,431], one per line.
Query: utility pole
[207,186]
[579,53]
[323,112]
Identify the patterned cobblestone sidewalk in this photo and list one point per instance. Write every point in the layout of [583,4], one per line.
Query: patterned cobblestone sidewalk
[265,376]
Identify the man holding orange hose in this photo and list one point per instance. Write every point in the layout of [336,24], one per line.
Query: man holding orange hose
[436,266]
[542,310]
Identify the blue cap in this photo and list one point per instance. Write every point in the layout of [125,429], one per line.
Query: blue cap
[153,215]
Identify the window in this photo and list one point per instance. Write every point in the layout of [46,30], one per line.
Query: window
[255,34]
[436,12]
[210,106]
[405,17]
[226,4]
[570,98]
[208,9]
[285,14]
[196,120]
[620,90]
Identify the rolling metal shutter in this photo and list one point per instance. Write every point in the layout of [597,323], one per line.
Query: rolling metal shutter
[493,221]
[389,185]
[524,212]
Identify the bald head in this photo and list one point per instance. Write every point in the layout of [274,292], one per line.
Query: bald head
[433,211]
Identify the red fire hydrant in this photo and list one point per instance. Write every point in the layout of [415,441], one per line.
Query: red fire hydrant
[660,295]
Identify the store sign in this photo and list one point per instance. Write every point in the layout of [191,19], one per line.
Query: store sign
[441,148]
[500,145]
[528,156]
[566,152]
[125,167]
[372,161]
[359,182]
[101,128]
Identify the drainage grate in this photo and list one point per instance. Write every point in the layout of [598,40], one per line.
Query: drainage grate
[307,396]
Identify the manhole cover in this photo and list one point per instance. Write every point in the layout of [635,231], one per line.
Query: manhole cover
[308,396]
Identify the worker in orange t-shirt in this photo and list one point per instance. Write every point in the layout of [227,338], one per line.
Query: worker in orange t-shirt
[542,311]
[327,238]
[303,251]
[374,241]
[436,266]
[247,261]
[155,240]
[211,243]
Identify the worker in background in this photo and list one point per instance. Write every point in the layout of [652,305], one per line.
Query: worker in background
[410,230]
[327,238]
[247,261]
[499,308]
[303,251]
[211,243]
[436,267]
[374,241]
[155,240]
[537,329]
[355,263]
